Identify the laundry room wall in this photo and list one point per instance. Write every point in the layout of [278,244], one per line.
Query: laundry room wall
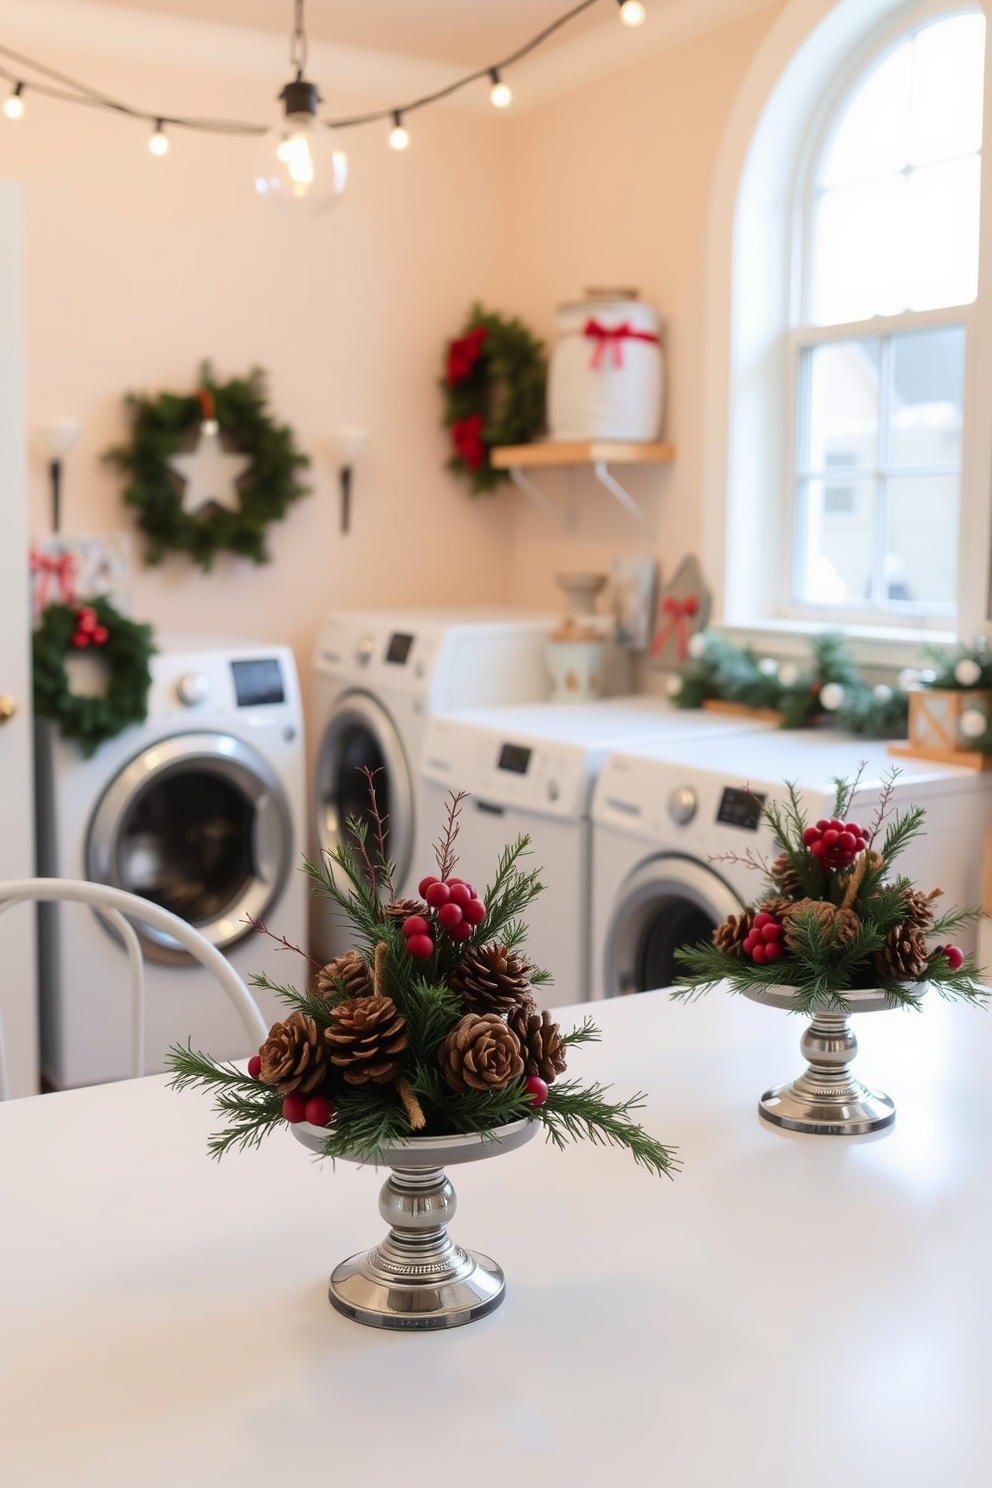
[610,185]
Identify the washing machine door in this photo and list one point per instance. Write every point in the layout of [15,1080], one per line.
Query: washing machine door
[671,901]
[361,736]
[198,823]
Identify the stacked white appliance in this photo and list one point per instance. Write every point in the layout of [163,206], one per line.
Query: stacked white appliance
[668,820]
[531,770]
[200,809]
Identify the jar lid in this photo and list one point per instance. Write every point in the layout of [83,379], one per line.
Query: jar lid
[600,293]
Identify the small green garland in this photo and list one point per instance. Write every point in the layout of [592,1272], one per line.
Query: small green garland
[493,386]
[126,650]
[162,426]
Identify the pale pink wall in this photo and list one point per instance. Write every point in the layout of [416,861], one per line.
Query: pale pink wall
[139,267]
[610,186]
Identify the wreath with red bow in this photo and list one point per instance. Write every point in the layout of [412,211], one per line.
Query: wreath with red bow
[124,645]
[493,386]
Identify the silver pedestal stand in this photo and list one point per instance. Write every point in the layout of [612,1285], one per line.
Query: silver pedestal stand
[827,1099]
[418,1278]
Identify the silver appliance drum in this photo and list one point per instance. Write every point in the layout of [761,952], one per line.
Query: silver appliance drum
[198,823]
[361,736]
[670,901]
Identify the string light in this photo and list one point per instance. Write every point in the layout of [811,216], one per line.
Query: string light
[632,12]
[14,106]
[499,93]
[158,144]
[398,137]
[299,169]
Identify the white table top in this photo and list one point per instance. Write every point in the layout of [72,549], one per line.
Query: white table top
[801,1308]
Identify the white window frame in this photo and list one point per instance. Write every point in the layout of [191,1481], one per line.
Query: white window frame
[801,75]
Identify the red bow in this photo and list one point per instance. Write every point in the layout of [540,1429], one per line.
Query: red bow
[613,336]
[466,435]
[464,353]
[678,612]
[58,566]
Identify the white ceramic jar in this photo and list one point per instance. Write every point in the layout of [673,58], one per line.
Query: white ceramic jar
[606,379]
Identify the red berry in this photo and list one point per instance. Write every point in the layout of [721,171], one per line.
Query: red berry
[474,911]
[100,635]
[762,919]
[425,884]
[771,932]
[319,1110]
[80,638]
[415,925]
[822,825]
[819,849]
[847,842]
[749,944]
[460,894]
[86,620]
[461,931]
[437,894]
[536,1089]
[758,953]
[773,950]
[420,947]
[953,956]
[449,915]
[830,836]
[858,831]
[811,835]
[254,1066]
[471,890]
[836,826]
[294,1108]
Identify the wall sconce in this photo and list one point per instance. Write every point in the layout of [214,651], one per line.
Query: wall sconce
[57,436]
[346,446]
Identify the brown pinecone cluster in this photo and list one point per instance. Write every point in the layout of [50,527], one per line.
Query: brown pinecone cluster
[503,1036]
[349,973]
[492,979]
[294,1056]
[785,877]
[904,954]
[841,925]
[367,1038]
[731,935]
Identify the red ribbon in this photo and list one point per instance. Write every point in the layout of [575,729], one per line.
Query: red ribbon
[613,336]
[58,566]
[206,398]
[678,612]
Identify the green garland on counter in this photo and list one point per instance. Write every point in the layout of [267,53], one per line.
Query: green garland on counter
[126,648]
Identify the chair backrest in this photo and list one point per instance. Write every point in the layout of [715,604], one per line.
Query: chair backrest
[120,908]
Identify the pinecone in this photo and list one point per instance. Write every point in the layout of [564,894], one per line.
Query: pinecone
[294,1056]
[840,924]
[366,1038]
[919,907]
[480,1053]
[904,954]
[350,969]
[731,935]
[775,906]
[785,877]
[540,1043]
[401,909]
[492,979]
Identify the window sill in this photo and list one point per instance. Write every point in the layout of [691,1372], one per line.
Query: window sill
[873,645]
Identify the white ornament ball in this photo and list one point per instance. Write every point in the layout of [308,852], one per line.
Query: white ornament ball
[973,723]
[673,686]
[788,674]
[967,672]
[908,678]
[768,666]
[832,696]
[697,646]
[928,676]
[882,692]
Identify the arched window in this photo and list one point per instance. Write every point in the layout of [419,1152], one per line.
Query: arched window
[889,266]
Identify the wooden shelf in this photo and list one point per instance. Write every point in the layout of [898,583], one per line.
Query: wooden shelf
[586,452]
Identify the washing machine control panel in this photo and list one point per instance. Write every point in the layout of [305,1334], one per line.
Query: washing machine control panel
[192,689]
[683,803]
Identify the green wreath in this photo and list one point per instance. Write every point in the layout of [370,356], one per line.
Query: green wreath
[493,387]
[164,426]
[125,647]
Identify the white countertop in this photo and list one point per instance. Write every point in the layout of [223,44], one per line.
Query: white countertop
[809,1309]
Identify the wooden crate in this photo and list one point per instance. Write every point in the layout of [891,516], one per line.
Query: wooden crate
[935,726]
[717,705]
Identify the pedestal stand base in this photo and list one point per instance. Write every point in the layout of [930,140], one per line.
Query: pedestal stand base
[827,1100]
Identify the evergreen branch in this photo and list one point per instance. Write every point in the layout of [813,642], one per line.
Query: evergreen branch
[884,805]
[313,1004]
[444,852]
[287,945]
[953,920]
[585,1033]
[573,1112]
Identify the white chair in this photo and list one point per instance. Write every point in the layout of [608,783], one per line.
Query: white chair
[120,907]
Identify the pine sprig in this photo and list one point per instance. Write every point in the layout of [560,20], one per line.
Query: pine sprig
[574,1112]
[510,893]
[312,1004]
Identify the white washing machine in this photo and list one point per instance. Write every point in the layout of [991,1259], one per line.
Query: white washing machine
[532,770]
[378,675]
[201,809]
[663,812]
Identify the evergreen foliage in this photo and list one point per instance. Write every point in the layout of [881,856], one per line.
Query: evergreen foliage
[503,388]
[126,652]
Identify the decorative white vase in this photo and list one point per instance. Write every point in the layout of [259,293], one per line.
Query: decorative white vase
[606,379]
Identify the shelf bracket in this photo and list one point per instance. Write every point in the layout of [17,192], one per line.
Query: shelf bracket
[537,495]
[615,489]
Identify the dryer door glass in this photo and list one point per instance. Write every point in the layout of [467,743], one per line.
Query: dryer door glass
[671,901]
[361,737]
[672,922]
[198,823]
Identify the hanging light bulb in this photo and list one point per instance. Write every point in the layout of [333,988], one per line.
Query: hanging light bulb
[14,106]
[158,144]
[298,168]
[499,93]
[632,12]
[398,137]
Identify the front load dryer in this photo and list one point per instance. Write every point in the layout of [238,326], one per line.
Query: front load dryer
[199,809]
[531,770]
[378,675]
[676,827]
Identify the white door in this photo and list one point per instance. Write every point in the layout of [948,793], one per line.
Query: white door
[18,996]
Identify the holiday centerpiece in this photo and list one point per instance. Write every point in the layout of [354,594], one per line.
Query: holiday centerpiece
[493,388]
[950,708]
[420,1047]
[208,470]
[124,647]
[834,932]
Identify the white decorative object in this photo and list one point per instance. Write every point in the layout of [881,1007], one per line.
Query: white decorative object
[606,379]
[908,677]
[832,696]
[345,446]
[768,666]
[973,723]
[788,673]
[673,686]
[967,672]
[575,666]
[882,692]
[634,592]
[697,647]
[209,472]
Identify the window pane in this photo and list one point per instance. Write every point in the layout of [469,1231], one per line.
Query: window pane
[940,258]
[947,89]
[921,559]
[926,397]
[859,245]
[837,523]
[872,138]
[843,382]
